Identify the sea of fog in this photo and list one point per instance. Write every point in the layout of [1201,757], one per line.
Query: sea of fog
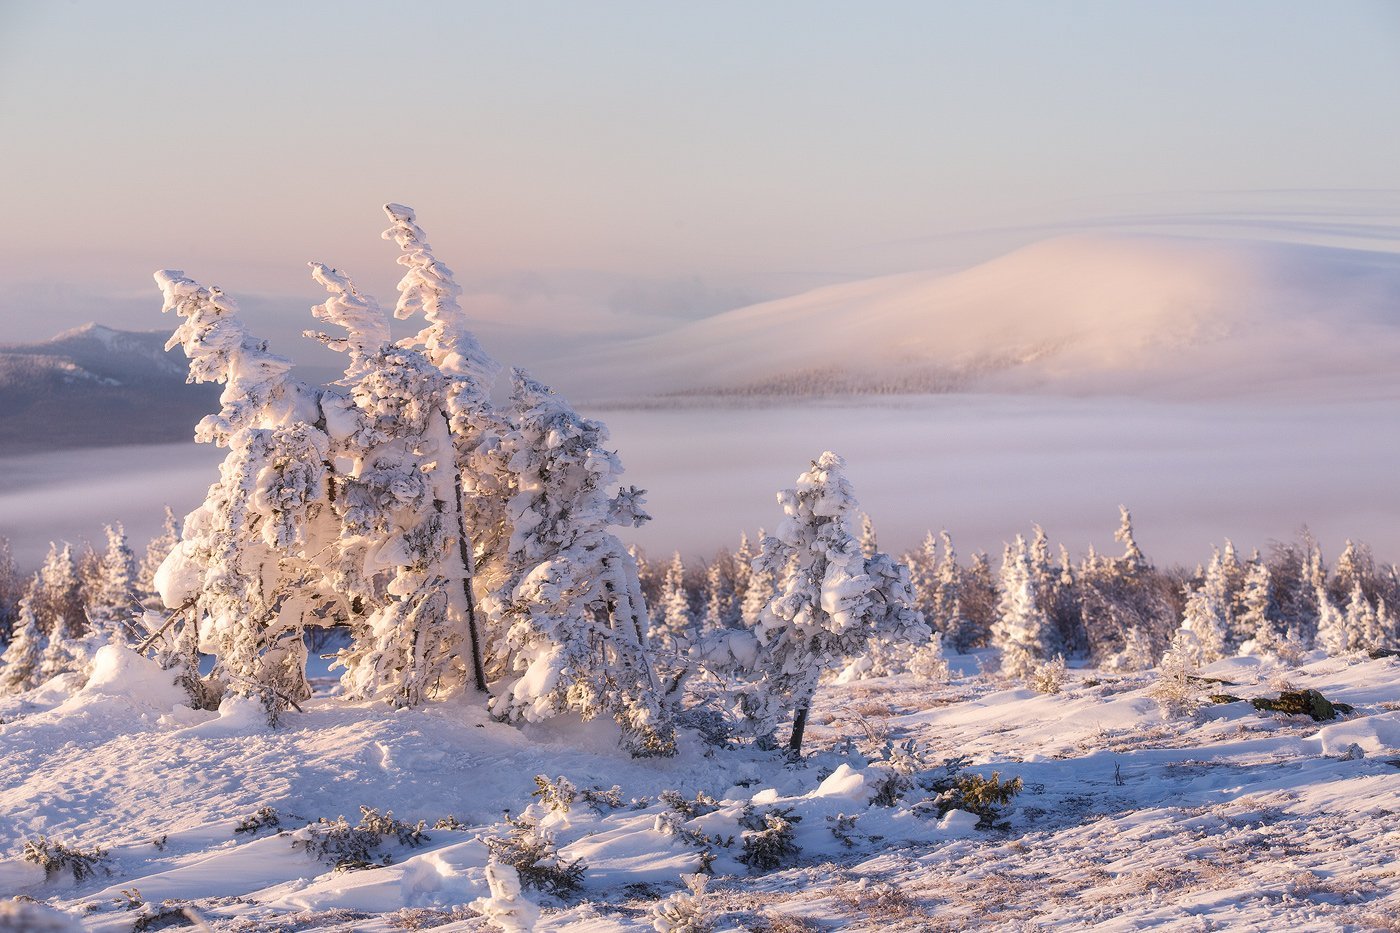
[984,467]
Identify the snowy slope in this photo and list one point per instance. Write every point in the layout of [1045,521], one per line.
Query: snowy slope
[1072,314]
[94,386]
[1230,818]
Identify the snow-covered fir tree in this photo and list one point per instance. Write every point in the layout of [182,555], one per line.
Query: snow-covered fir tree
[1333,635]
[239,576]
[55,595]
[762,586]
[721,610]
[742,572]
[1206,615]
[831,602]
[1023,631]
[1258,613]
[429,287]
[673,626]
[21,663]
[113,603]
[978,597]
[11,590]
[1362,622]
[572,609]
[869,542]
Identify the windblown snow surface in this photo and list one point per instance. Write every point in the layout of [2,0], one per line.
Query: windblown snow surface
[1227,818]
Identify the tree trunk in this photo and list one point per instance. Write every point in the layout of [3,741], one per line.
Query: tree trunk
[799,725]
[473,633]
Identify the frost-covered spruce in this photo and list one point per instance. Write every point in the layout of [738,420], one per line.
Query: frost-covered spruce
[571,606]
[11,589]
[1207,613]
[1022,630]
[831,602]
[114,601]
[428,287]
[760,588]
[400,557]
[20,665]
[241,575]
[56,594]
[721,609]
[1258,614]
[1333,635]
[673,625]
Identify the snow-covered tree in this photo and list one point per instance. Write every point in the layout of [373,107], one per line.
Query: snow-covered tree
[1206,615]
[113,602]
[56,594]
[869,543]
[742,573]
[761,588]
[11,589]
[571,607]
[721,609]
[1362,622]
[429,287]
[1258,612]
[240,576]
[20,665]
[1023,631]
[831,602]
[1133,557]
[1333,635]
[674,627]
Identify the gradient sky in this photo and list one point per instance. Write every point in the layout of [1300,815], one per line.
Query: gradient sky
[708,151]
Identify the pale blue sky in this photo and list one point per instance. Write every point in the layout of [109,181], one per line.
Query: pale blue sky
[754,146]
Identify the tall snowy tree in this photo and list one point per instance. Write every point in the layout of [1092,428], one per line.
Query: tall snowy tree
[20,665]
[674,626]
[56,594]
[113,602]
[572,609]
[11,589]
[831,602]
[721,610]
[1022,631]
[1207,613]
[429,287]
[240,577]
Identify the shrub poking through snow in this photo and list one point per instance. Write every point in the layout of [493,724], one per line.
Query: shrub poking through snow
[690,809]
[1173,690]
[972,793]
[451,823]
[601,799]
[265,818]
[769,842]
[531,851]
[506,908]
[1049,676]
[684,911]
[55,858]
[556,796]
[843,827]
[352,848]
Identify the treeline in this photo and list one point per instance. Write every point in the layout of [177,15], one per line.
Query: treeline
[1117,611]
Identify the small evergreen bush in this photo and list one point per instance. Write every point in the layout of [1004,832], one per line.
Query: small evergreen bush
[532,853]
[56,857]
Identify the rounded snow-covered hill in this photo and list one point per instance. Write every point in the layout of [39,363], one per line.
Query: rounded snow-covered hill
[1077,314]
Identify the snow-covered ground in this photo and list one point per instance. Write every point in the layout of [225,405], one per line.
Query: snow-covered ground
[1226,819]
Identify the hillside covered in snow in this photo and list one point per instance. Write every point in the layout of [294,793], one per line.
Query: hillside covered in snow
[1084,314]
[93,387]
